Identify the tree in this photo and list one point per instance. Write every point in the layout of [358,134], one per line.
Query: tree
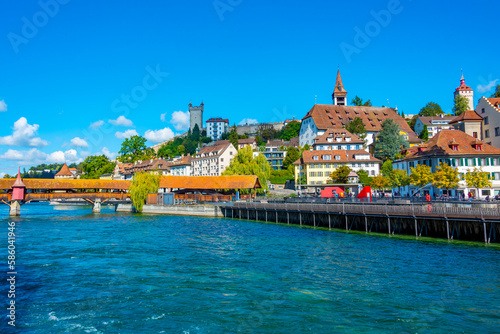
[292,155]
[389,142]
[266,131]
[477,179]
[424,135]
[195,135]
[340,174]
[412,122]
[446,177]
[290,131]
[233,137]
[96,165]
[357,127]
[497,92]
[143,184]
[387,168]
[380,182]
[421,176]
[245,164]
[357,101]
[431,109]
[132,148]
[364,178]
[399,178]
[461,104]
[181,149]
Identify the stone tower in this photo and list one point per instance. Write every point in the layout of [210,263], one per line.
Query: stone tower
[466,92]
[339,95]
[196,116]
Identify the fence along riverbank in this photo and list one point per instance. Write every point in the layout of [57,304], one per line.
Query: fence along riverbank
[461,223]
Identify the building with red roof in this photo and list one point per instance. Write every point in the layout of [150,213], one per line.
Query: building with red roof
[489,109]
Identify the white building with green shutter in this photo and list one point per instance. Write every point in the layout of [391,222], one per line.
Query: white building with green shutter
[460,151]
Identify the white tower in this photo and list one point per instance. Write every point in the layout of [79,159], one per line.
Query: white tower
[196,116]
[465,91]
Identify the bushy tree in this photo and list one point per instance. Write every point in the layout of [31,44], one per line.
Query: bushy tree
[389,142]
[446,177]
[132,148]
[424,135]
[266,132]
[357,127]
[143,184]
[477,179]
[497,92]
[387,168]
[292,155]
[398,179]
[290,131]
[245,164]
[96,165]
[421,176]
[364,178]
[357,101]
[431,109]
[380,182]
[461,104]
[340,174]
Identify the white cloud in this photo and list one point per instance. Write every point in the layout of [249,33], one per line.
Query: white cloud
[126,134]
[162,117]
[2,175]
[79,142]
[35,157]
[3,106]
[248,121]
[23,135]
[158,136]
[109,154]
[96,125]
[180,120]
[488,87]
[121,121]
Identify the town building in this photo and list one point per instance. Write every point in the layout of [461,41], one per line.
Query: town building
[216,127]
[465,91]
[158,166]
[182,166]
[337,139]
[321,117]
[459,150]
[489,110]
[469,122]
[196,116]
[64,173]
[275,151]
[317,165]
[247,142]
[434,124]
[213,160]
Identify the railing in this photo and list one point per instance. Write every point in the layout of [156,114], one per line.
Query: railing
[52,196]
[376,209]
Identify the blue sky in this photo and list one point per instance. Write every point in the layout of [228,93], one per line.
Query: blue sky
[67,64]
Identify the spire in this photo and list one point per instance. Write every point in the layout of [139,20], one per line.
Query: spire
[462,80]
[19,183]
[339,93]
[339,86]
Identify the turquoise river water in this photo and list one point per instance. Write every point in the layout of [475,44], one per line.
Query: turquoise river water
[122,273]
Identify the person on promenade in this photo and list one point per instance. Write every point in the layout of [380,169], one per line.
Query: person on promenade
[428,197]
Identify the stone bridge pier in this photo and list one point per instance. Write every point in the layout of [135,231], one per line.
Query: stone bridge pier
[96,206]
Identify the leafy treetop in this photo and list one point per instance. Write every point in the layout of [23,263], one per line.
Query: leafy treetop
[431,109]
[461,104]
[357,101]
[389,142]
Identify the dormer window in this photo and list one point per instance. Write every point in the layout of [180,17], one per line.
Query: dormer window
[315,158]
[327,157]
[337,157]
[348,139]
[479,147]
[338,139]
[454,147]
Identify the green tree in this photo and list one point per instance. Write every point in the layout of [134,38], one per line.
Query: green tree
[388,141]
[412,122]
[245,164]
[399,178]
[431,109]
[380,182]
[421,176]
[143,184]
[364,178]
[340,174]
[165,152]
[461,104]
[292,155]
[132,148]
[96,165]
[181,149]
[195,135]
[233,137]
[357,101]
[290,131]
[424,135]
[266,132]
[446,177]
[357,127]
[496,94]
[387,168]
[477,179]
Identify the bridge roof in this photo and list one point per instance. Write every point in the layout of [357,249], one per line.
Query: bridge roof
[66,184]
[210,182]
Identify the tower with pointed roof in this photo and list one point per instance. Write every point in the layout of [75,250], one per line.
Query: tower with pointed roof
[339,95]
[465,91]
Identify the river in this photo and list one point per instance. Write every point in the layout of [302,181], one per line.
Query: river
[80,272]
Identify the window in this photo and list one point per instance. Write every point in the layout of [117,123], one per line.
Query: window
[327,157]
[315,158]
[497,132]
[486,133]
[474,134]
[486,120]
[482,111]
[337,157]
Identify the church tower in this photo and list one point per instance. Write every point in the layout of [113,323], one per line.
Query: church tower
[466,92]
[196,116]
[339,95]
